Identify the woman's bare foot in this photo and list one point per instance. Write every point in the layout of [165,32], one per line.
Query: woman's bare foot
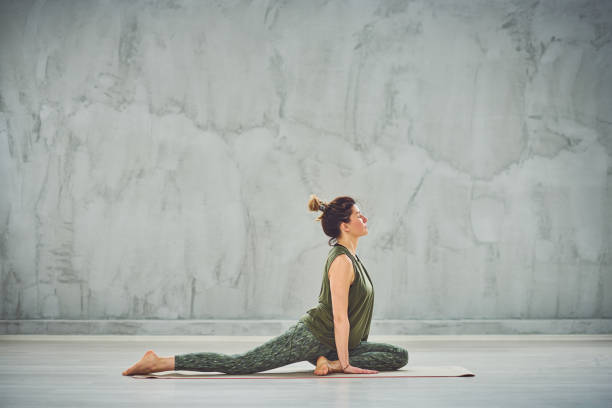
[151,363]
[324,366]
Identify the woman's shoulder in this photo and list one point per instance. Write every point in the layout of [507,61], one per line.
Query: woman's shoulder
[338,250]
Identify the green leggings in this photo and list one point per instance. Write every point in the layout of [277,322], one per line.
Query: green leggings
[296,344]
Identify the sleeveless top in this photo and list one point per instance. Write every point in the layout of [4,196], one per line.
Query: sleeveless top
[320,319]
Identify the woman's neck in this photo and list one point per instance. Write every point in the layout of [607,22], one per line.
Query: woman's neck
[349,243]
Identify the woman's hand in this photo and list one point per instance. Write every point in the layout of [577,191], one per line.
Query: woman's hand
[356,370]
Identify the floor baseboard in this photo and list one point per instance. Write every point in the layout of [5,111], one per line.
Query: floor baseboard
[274,327]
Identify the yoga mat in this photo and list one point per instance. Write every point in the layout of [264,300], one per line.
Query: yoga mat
[284,373]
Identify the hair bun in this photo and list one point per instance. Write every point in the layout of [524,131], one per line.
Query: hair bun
[315,204]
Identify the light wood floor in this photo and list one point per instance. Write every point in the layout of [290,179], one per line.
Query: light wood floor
[511,371]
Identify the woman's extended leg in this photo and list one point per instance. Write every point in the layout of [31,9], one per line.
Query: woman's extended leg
[296,344]
[374,356]
[273,353]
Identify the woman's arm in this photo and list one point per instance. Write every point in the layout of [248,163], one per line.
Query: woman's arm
[341,275]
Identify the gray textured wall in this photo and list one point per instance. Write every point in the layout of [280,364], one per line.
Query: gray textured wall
[156,157]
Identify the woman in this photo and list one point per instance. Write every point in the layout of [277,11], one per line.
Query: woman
[332,336]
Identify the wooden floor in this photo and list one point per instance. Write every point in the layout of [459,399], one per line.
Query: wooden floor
[511,371]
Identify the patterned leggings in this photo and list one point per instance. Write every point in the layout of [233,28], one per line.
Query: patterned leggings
[296,344]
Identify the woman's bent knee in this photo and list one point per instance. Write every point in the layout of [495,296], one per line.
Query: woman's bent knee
[401,357]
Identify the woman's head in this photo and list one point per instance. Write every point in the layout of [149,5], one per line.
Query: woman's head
[339,216]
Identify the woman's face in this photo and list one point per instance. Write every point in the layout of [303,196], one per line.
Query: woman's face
[358,222]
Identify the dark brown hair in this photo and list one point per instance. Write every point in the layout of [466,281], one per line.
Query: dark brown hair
[335,212]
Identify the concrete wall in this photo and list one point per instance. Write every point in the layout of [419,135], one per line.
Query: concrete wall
[156,157]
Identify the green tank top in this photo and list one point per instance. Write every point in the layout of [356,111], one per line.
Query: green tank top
[320,319]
